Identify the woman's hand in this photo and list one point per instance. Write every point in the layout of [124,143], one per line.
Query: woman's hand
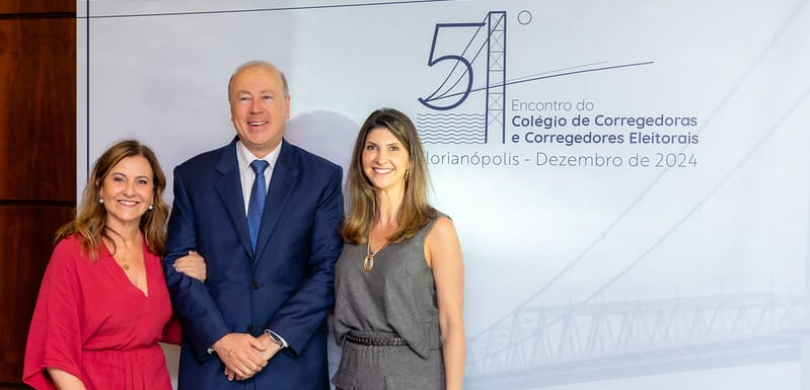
[193,265]
[64,380]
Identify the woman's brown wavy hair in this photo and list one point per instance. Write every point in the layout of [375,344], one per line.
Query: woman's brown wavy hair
[415,211]
[89,224]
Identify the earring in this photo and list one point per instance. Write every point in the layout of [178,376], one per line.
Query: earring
[101,201]
[151,206]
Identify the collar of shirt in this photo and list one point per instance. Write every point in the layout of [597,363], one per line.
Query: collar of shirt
[244,157]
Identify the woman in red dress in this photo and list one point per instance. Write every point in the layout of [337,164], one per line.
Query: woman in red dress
[103,304]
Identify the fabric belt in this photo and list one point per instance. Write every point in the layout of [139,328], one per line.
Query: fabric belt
[376,341]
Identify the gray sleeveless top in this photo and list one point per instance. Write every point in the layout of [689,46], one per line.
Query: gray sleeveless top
[398,295]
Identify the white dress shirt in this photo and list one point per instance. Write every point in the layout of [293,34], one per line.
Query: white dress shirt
[244,157]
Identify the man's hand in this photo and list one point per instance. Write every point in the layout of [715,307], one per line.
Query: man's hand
[271,348]
[242,354]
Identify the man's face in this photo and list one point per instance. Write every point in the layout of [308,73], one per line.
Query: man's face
[259,108]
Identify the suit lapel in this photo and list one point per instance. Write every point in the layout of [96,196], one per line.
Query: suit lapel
[229,188]
[285,174]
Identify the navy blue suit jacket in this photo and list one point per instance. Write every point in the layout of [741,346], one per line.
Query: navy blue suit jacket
[288,286]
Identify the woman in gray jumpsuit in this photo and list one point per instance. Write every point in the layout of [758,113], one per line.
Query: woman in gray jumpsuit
[399,280]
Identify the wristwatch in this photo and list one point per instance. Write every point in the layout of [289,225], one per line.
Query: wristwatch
[275,338]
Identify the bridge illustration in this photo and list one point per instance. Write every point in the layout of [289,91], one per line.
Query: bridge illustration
[541,344]
[597,337]
[601,336]
[553,345]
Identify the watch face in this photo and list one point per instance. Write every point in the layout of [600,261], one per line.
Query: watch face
[276,339]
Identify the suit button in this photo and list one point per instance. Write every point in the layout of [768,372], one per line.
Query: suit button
[255,286]
[250,328]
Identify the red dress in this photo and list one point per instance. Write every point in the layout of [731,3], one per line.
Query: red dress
[93,323]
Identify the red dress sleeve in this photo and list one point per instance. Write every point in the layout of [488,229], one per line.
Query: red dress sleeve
[54,337]
[172,333]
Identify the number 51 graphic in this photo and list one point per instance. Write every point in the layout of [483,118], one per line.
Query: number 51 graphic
[484,41]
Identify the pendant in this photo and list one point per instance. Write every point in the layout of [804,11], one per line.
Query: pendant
[125,267]
[368,263]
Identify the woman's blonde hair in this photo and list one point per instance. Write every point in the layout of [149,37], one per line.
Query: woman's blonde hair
[415,211]
[90,223]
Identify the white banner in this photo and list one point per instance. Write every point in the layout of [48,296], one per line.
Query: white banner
[627,177]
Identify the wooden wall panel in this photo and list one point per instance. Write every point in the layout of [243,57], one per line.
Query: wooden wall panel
[25,247]
[38,113]
[37,158]
[36,6]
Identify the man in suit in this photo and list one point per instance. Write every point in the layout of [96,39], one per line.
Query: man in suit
[258,321]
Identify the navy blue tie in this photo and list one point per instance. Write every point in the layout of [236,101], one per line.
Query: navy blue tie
[256,204]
